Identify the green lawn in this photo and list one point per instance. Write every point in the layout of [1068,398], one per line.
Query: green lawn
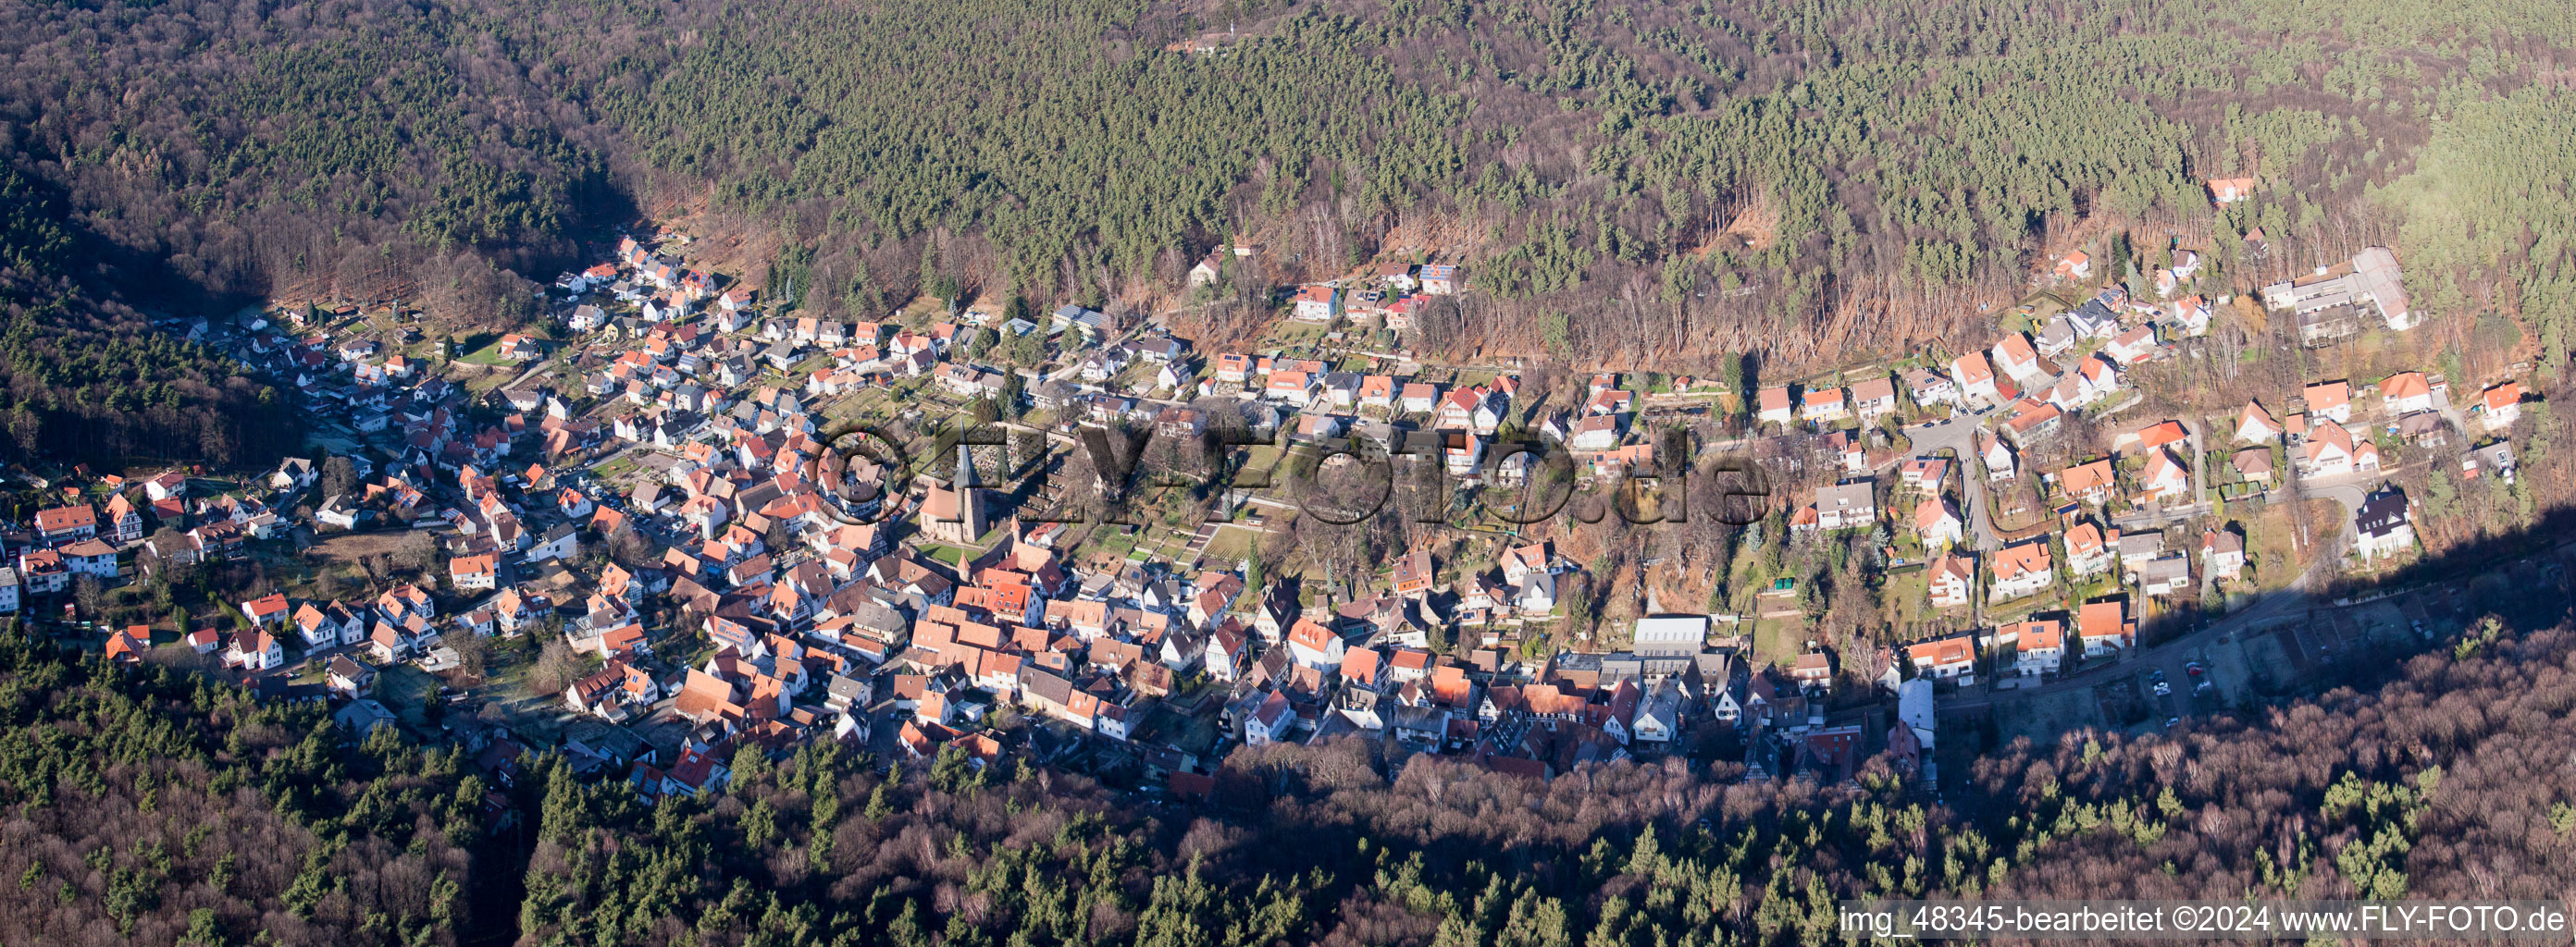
[1114,542]
[1231,544]
[1908,598]
[1286,333]
[1778,641]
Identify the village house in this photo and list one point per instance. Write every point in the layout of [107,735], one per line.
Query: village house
[1519,562]
[1928,388]
[2104,628]
[2149,438]
[1233,367]
[1773,406]
[2032,420]
[2021,570]
[1937,523]
[127,645]
[1441,279]
[1413,574]
[1318,304]
[2093,379]
[347,678]
[2253,465]
[2406,393]
[2039,646]
[1596,433]
[2494,459]
[254,650]
[2014,357]
[2092,482]
[1312,644]
[2222,554]
[1975,377]
[473,573]
[2133,346]
[2086,551]
[1946,659]
[2330,400]
[1997,457]
[1873,398]
[1342,388]
[1270,721]
[521,348]
[1824,406]
[1421,397]
[91,558]
[2498,407]
[1813,672]
[2165,479]
[267,612]
[329,625]
[1951,577]
[1377,391]
[2255,425]
[64,524]
[2190,315]
[2132,547]
[2162,576]
[1845,506]
[2332,451]
[2382,526]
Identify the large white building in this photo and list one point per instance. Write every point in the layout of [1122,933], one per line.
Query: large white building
[2370,280]
[1670,635]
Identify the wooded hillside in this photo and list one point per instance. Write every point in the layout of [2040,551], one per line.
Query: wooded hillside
[153,806]
[143,806]
[2448,781]
[1657,182]
[85,378]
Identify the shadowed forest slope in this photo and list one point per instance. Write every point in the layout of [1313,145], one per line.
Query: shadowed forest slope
[148,806]
[2450,780]
[153,806]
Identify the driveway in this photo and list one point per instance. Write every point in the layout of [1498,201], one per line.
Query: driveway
[1959,436]
[2349,490]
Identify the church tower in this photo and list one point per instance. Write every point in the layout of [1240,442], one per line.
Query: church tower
[957,513]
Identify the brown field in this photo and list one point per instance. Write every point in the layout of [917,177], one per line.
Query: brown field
[344,550]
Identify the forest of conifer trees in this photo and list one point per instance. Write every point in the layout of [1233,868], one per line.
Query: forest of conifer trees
[148,806]
[1668,183]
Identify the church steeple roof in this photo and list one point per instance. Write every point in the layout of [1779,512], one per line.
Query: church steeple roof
[965,478]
